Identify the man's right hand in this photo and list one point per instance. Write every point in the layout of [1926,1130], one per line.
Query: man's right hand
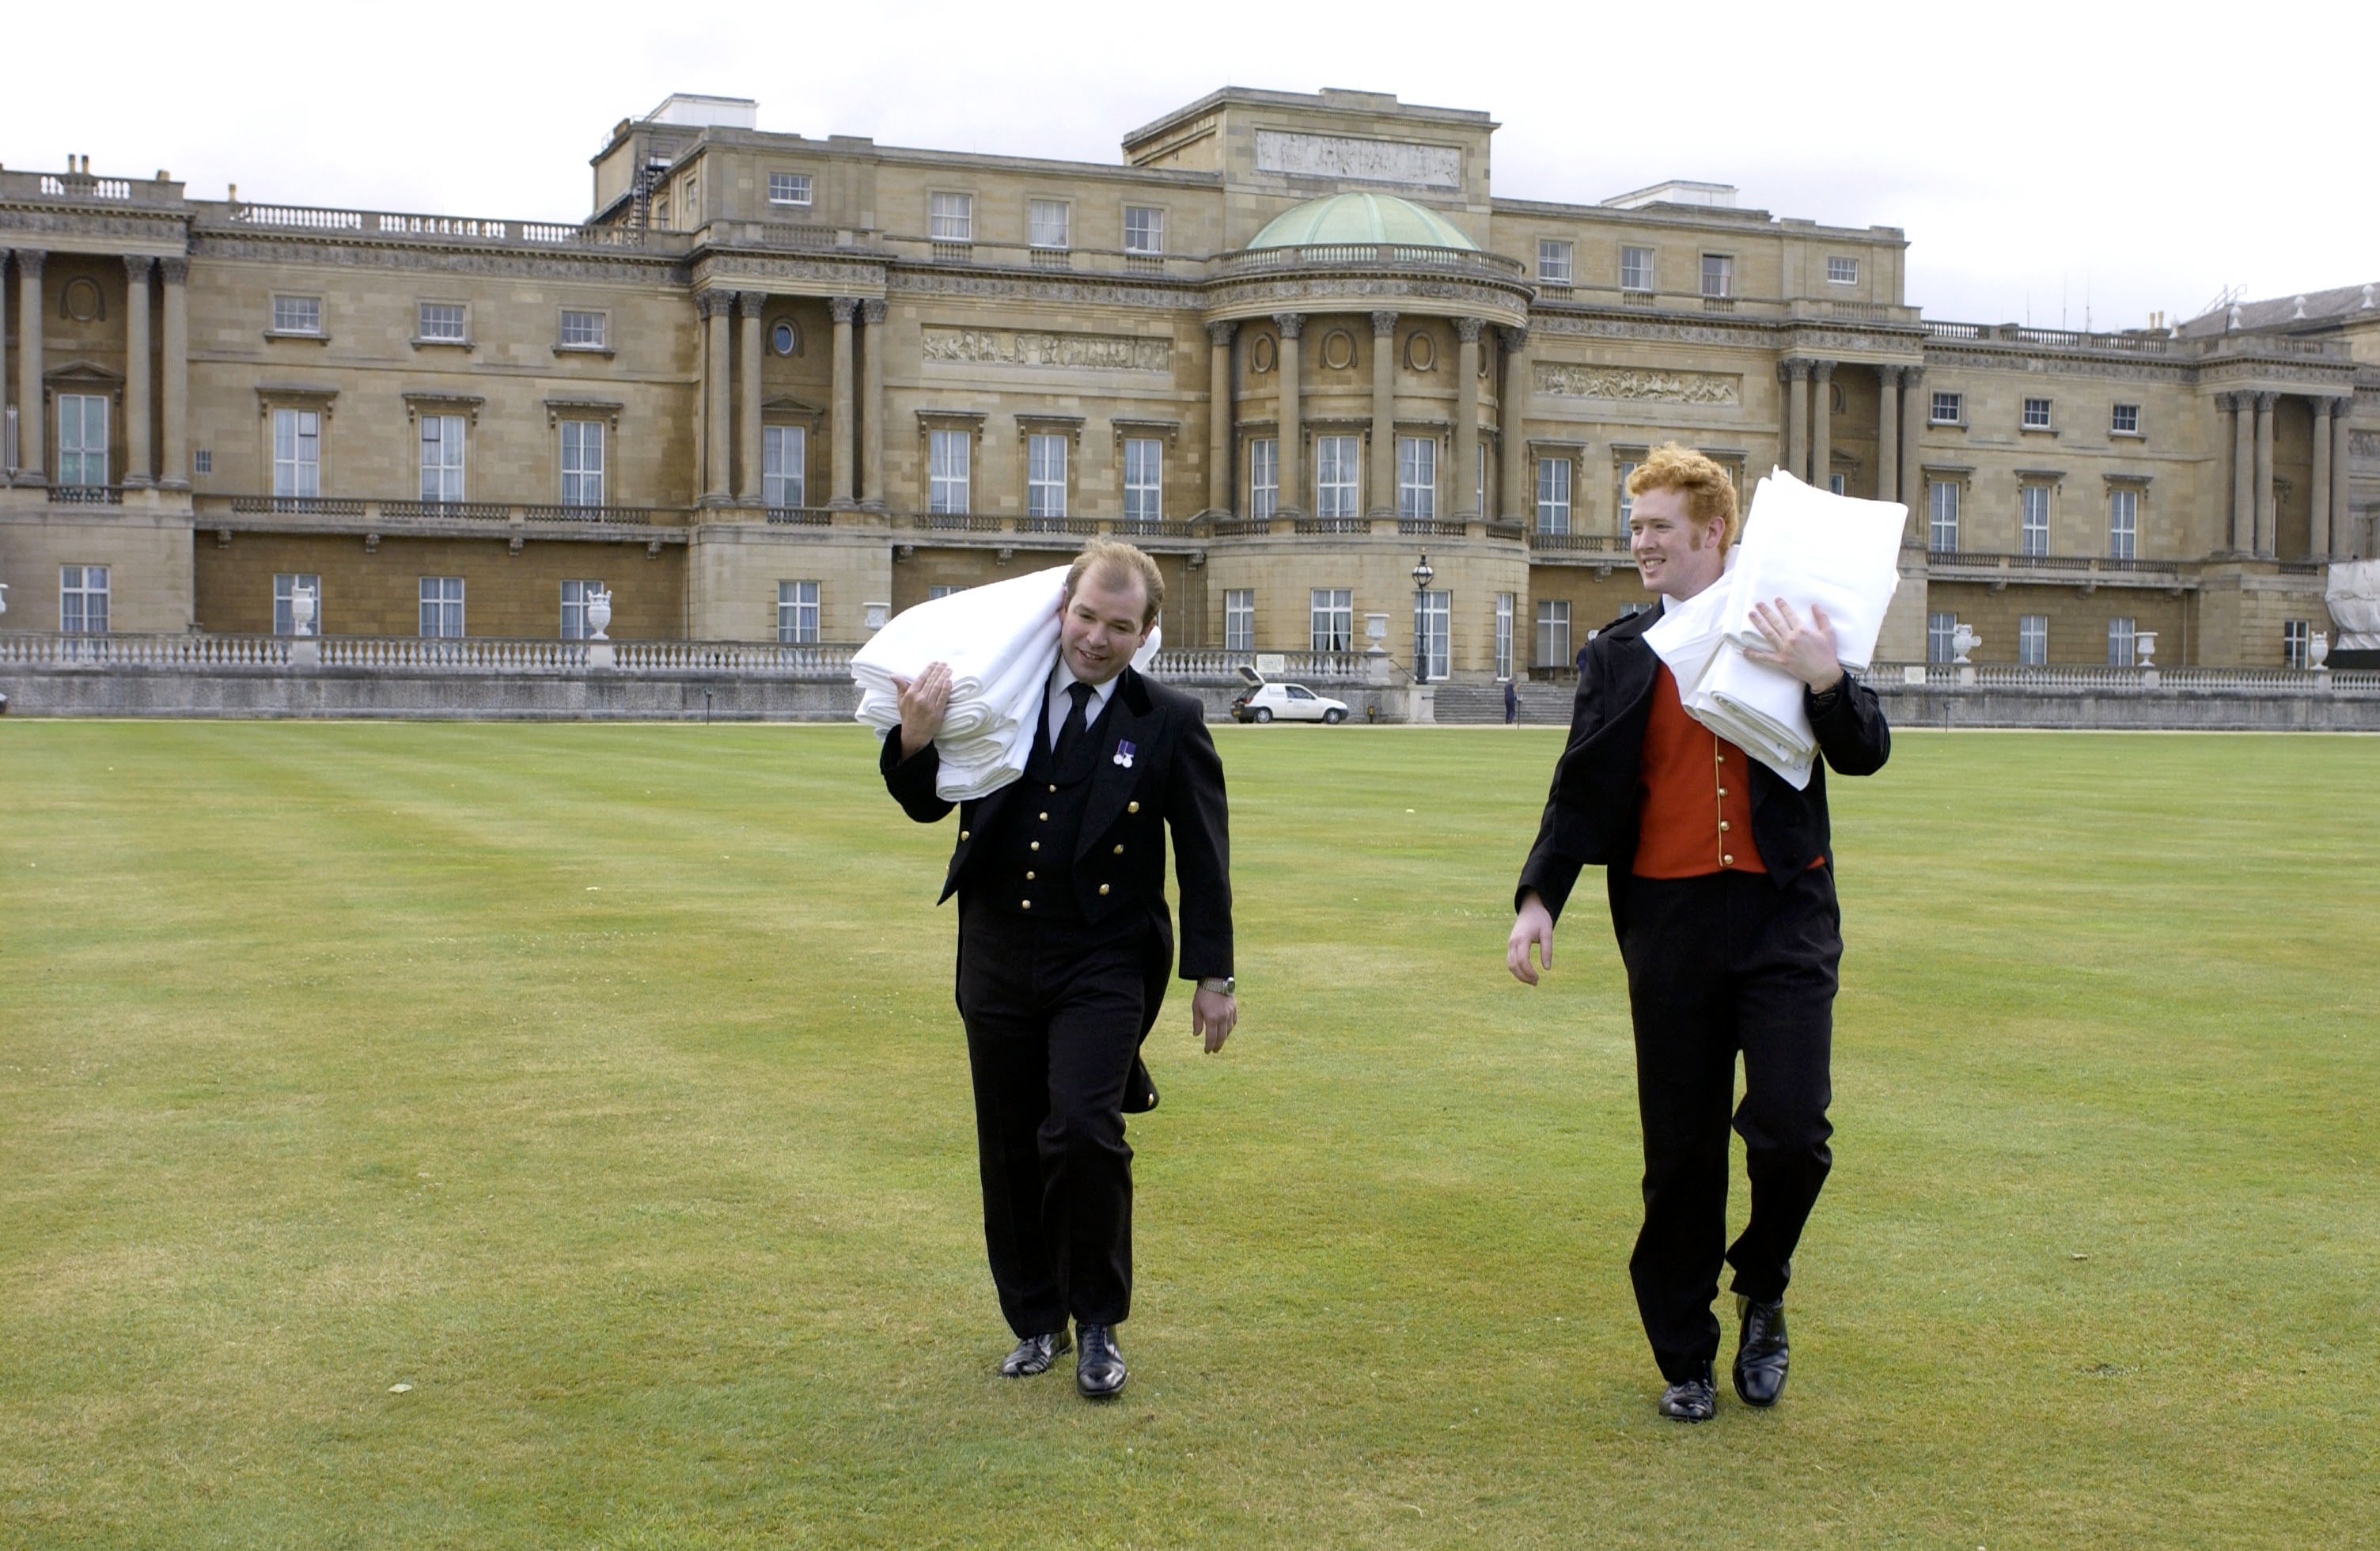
[924,701]
[1534,923]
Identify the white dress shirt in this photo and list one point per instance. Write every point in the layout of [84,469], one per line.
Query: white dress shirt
[1060,702]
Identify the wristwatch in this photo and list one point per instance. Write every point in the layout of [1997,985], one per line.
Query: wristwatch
[1221,985]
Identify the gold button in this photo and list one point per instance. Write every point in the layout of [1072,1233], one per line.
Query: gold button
[962,834]
[1036,845]
[1119,850]
[1725,860]
[1128,807]
[1028,904]
[1103,888]
[1722,790]
[1722,826]
[1045,819]
[1029,877]
[1053,786]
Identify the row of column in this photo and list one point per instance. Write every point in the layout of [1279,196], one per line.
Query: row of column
[1512,471]
[715,307]
[32,400]
[2255,521]
[1808,432]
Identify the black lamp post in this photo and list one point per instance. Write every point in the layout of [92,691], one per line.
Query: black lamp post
[1422,575]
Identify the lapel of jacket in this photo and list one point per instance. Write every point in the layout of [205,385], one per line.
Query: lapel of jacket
[1130,720]
[1634,664]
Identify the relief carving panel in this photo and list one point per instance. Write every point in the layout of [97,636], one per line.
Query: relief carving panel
[1563,379]
[1362,161]
[1087,352]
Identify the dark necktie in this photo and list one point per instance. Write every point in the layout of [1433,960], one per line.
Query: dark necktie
[1070,736]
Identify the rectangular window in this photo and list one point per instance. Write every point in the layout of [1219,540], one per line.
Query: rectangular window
[1503,634]
[1553,495]
[582,330]
[2294,642]
[1144,229]
[1240,619]
[1718,275]
[789,188]
[201,461]
[947,471]
[1835,483]
[1432,611]
[1417,477]
[442,607]
[1044,476]
[951,217]
[2032,640]
[1947,409]
[784,465]
[296,452]
[1479,482]
[441,320]
[296,315]
[2120,643]
[82,600]
[2033,525]
[82,439]
[574,610]
[2125,421]
[797,613]
[1264,478]
[941,589]
[1336,462]
[1942,516]
[1553,632]
[1144,479]
[1334,619]
[2123,525]
[441,457]
[1635,269]
[285,590]
[1941,629]
[2036,413]
[1047,221]
[1553,261]
[1842,271]
[1627,502]
[582,463]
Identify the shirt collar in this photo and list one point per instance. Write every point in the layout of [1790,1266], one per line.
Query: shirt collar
[1062,675]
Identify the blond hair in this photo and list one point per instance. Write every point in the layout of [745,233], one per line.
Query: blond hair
[1710,494]
[1118,564]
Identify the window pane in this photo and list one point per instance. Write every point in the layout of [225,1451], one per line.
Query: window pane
[1553,495]
[784,465]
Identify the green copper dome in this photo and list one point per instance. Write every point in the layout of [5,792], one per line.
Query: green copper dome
[1361,218]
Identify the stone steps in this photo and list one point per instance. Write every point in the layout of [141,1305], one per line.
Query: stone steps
[1542,704]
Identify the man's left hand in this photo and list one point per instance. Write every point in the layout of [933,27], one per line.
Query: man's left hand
[1213,1015]
[1807,651]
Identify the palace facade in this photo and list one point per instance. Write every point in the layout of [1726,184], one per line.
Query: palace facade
[773,386]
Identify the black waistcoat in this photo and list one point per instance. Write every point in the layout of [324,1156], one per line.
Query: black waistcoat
[1034,840]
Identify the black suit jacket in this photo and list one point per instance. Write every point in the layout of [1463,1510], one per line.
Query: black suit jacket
[1590,816]
[1176,780]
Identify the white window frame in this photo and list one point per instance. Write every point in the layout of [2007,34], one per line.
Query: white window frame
[1433,632]
[79,462]
[1553,495]
[1264,478]
[582,453]
[82,600]
[1330,619]
[1045,475]
[950,480]
[1947,409]
[1555,261]
[1841,271]
[1553,632]
[784,466]
[1636,269]
[284,587]
[296,314]
[2123,523]
[2124,419]
[943,589]
[1050,223]
[1338,473]
[585,330]
[574,608]
[443,444]
[1240,619]
[1503,634]
[797,613]
[1942,516]
[297,454]
[2297,643]
[1417,479]
[2034,414]
[1149,241]
[1941,629]
[2033,520]
[2032,640]
[2122,641]
[790,188]
[1144,480]
[442,322]
[1718,268]
[1627,503]
[441,606]
[949,217]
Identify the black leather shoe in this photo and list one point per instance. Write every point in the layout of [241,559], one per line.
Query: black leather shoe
[1760,1351]
[1098,1371]
[1033,1355]
[1690,1400]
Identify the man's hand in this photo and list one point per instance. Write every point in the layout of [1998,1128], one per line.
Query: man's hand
[1213,1015]
[924,701]
[1534,923]
[1807,651]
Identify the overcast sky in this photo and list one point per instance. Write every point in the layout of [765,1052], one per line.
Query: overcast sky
[2043,159]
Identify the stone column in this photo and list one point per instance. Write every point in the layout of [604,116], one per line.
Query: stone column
[2318,514]
[748,416]
[1466,416]
[2264,523]
[1516,497]
[136,378]
[1218,415]
[1888,433]
[1913,417]
[1795,375]
[32,418]
[1821,429]
[1289,462]
[2342,540]
[839,412]
[1384,416]
[2244,465]
[173,373]
[712,308]
[871,407]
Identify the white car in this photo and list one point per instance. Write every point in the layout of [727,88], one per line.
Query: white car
[1288,702]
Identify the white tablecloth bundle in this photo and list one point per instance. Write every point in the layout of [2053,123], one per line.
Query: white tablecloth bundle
[1808,547]
[1000,643]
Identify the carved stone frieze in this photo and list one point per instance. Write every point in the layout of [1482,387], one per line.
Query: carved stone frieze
[2127,371]
[114,223]
[2364,443]
[1570,380]
[1750,332]
[846,274]
[1357,160]
[1089,352]
[1002,287]
[590,265]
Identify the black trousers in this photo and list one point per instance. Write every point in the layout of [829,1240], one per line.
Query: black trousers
[1717,965]
[1053,1023]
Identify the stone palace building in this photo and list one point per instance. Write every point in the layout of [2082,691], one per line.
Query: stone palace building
[775,385]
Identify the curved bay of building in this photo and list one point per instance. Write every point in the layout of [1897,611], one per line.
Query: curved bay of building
[1294,343]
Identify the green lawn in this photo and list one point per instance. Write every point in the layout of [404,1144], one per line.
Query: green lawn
[602,1083]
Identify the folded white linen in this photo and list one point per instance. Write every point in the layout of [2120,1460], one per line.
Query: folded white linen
[2352,592]
[1754,707]
[1811,547]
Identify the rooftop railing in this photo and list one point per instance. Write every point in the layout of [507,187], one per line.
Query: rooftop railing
[1368,255]
[84,189]
[407,512]
[331,220]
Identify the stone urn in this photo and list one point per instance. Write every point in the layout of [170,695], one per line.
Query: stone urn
[2145,648]
[301,611]
[1962,641]
[599,614]
[2318,652]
